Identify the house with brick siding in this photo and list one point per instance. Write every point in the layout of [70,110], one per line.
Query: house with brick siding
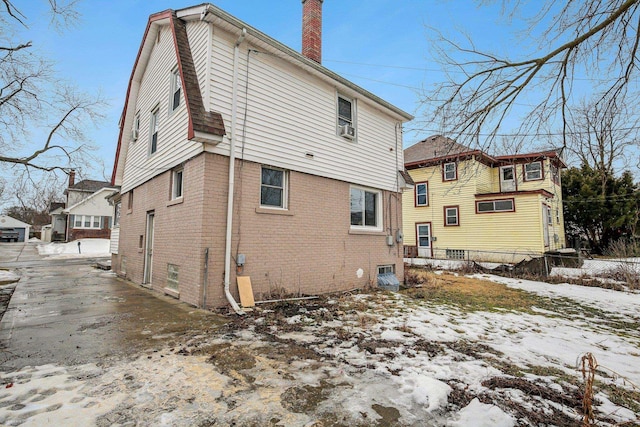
[238,156]
[467,204]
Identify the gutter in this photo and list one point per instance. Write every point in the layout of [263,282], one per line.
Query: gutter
[232,169]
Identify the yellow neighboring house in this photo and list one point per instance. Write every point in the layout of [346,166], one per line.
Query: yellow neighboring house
[467,204]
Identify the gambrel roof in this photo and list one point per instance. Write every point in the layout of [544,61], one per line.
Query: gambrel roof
[201,121]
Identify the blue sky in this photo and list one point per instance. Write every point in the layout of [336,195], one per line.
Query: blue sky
[381,45]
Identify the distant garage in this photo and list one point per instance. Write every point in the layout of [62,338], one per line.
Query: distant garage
[10,225]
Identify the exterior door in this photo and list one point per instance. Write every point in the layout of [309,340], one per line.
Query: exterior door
[148,253]
[546,219]
[507,178]
[423,239]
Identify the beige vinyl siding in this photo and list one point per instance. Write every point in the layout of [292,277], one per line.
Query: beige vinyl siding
[173,146]
[291,113]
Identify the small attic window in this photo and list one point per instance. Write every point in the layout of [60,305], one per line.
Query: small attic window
[158,37]
[176,89]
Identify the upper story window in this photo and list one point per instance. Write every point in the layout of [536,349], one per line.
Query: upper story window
[449,171]
[346,123]
[273,188]
[135,130]
[555,174]
[176,90]
[451,216]
[422,196]
[533,171]
[504,205]
[366,209]
[176,183]
[153,129]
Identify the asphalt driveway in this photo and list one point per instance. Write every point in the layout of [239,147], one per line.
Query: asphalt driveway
[64,312]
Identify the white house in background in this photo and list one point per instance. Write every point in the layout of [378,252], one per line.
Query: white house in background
[86,212]
[11,224]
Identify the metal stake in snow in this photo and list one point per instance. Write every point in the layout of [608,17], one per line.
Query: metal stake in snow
[79,251]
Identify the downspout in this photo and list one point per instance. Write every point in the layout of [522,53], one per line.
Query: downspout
[232,169]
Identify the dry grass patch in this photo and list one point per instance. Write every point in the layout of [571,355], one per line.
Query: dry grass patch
[469,293]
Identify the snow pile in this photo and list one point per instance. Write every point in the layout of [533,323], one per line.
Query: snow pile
[8,276]
[76,249]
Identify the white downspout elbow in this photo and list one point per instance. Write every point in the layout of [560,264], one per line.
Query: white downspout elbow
[232,164]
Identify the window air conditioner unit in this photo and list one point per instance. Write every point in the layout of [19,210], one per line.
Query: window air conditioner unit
[347,131]
[134,135]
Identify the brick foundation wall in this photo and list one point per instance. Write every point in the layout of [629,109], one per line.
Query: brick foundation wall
[86,233]
[308,249]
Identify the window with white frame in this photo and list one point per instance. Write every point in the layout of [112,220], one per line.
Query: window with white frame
[116,214]
[422,197]
[346,123]
[533,171]
[487,206]
[177,183]
[153,129]
[549,217]
[273,188]
[449,171]
[451,216]
[88,221]
[135,130]
[176,89]
[365,208]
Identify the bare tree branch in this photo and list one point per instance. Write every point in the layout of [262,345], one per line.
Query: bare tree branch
[592,38]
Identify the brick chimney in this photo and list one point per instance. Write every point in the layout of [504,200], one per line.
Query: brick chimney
[72,178]
[312,29]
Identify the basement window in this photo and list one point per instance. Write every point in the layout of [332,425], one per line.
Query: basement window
[455,253]
[172,277]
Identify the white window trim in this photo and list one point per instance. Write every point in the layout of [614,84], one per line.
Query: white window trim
[352,122]
[154,120]
[538,172]
[91,221]
[285,189]
[446,216]
[135,130]
[174,192]
[455,171]
[426,193]
[117,211]
[513,206]
[176,85]
[378,226]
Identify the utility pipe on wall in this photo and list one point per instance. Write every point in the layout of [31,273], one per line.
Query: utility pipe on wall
[232,171]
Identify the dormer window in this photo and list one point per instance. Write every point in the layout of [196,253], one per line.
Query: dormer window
[346,125]
[176,89]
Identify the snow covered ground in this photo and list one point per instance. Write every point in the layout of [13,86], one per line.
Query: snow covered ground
[8,276]
[77,249]
[360,360]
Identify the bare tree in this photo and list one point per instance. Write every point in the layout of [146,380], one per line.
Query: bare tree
[592,39]
[604,138]
[42,119]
